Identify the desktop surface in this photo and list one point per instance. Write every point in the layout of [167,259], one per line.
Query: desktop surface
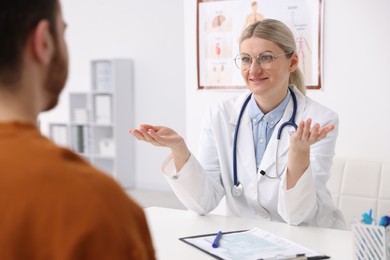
[168,225]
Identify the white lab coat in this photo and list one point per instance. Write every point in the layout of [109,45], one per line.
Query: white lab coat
[204,180]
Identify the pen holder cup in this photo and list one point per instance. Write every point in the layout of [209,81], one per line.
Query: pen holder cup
[371,242]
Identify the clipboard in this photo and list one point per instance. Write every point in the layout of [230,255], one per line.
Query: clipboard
[209,252]
[251,244]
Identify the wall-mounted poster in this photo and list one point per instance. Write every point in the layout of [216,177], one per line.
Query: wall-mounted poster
[220,24]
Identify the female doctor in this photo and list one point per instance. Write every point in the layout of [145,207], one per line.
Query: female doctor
[240,155]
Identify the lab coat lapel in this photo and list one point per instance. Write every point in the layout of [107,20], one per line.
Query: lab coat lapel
[245,145]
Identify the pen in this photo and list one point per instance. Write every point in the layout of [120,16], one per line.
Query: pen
[317,257]
[297,257]
[216,240]
[287,257]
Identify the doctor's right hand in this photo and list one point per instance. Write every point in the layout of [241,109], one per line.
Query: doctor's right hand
[158,136]
[165,137]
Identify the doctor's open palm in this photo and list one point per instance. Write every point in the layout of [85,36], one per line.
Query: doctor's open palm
[165,137]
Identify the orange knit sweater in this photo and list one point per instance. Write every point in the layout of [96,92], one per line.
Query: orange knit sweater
[55,206]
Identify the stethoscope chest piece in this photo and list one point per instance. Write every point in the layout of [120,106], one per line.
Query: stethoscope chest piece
[237,190]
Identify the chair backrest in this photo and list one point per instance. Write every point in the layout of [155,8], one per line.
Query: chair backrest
[358,186]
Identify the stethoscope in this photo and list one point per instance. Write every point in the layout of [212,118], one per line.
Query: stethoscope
[237,188]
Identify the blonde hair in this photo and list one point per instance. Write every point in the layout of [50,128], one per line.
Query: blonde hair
[281,35]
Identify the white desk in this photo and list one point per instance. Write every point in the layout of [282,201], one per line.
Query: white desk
[167,225]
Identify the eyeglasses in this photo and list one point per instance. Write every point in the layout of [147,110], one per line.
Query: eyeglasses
[264,60]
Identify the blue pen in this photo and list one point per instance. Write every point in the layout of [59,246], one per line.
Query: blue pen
[216,240]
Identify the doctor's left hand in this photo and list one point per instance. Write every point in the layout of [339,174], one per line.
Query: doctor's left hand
[299,152]
[307,135]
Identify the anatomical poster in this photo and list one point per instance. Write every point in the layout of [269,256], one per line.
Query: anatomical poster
[220,24]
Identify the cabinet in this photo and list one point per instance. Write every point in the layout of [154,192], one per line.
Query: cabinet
[100,120]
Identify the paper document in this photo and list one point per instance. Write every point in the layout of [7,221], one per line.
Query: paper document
[250,245]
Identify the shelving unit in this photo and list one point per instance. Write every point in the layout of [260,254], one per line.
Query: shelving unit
[100,120]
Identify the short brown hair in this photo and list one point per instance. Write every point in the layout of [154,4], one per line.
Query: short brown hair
[17,19]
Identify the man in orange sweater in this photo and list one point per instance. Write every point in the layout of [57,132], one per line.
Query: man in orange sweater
[53,204]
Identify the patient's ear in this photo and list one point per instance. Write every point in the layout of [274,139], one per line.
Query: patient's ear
[42,43]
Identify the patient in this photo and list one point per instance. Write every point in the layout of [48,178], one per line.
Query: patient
[53,204]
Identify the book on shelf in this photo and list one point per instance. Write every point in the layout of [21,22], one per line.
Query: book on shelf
[80,139]
[103,109]
[86,140]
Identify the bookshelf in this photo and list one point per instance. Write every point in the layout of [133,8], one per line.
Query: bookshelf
[100,120]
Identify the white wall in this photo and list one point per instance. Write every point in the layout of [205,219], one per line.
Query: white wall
[149,32]
[152,33]
[356,67]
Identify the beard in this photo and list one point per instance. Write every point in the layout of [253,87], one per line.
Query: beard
[56,78]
